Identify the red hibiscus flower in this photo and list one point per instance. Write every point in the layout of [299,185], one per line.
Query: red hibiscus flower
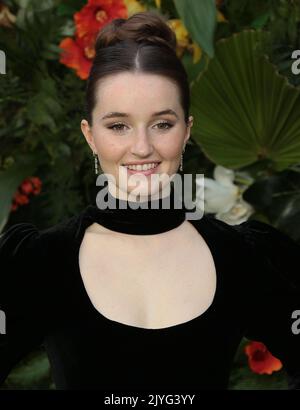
[260,360]
[75,56]
[79,52]
[96,14]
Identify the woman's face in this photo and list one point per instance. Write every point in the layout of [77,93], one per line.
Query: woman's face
[129,127]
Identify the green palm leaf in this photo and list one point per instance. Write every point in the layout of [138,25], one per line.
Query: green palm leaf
[244,110]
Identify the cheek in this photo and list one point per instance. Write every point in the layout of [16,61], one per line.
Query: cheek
[108,148]
[170,146]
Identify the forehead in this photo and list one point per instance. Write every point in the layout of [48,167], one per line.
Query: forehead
[136,91]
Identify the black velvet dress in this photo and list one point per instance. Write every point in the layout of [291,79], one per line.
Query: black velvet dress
[45,302]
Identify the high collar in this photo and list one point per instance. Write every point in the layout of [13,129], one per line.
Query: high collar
[140,218]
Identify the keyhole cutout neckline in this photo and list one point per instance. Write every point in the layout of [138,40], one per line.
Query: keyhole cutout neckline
[179,326]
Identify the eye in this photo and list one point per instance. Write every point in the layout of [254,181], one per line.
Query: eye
[164,125]
[117,127]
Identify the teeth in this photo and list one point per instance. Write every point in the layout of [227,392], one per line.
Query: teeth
[144,167]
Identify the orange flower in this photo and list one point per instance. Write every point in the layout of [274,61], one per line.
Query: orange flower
[79,52]
[260,360]
[96,14]
[74,55]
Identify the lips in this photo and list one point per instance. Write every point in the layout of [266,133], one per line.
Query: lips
[146,172]
[141,163]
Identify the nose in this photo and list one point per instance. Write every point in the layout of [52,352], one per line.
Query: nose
[141,146]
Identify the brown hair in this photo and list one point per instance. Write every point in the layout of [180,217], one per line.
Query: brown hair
[142,43]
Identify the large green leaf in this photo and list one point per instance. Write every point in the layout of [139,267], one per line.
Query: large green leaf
[199,18]
[244,110]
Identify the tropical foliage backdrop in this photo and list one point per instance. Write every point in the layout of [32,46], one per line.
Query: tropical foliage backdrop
[244,70]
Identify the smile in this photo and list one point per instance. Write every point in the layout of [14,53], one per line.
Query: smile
[145,169]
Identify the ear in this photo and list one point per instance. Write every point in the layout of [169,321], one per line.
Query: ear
[188,129]
[87,132]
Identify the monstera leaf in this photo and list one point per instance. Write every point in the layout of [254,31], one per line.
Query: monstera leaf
[244,110]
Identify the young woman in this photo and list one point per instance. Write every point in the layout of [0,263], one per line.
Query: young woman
[143,298]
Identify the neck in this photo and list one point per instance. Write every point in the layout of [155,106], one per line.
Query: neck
[163,200]
[146,217]
[120,195]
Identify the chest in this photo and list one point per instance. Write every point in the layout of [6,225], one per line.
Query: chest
[151,281]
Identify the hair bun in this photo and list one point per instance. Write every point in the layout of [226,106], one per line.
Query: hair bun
[149,27]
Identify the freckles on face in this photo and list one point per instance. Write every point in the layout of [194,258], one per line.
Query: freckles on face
[109,149]
[139,95]
[171,146]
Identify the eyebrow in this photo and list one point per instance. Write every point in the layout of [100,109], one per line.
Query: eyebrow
[123,114]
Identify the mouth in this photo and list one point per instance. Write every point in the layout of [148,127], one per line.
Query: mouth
[145,169]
